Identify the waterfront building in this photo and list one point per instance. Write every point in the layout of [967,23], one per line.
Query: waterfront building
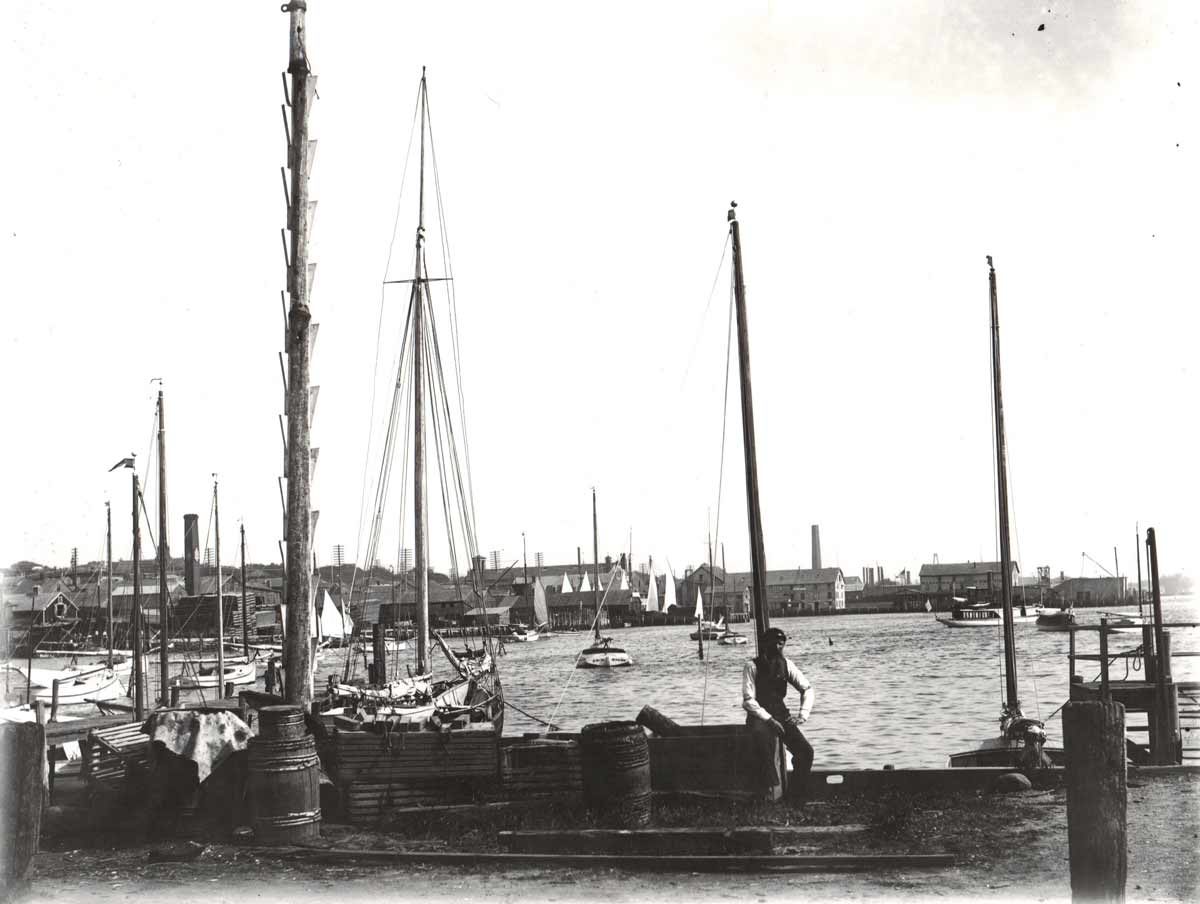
[955,578]
[794,591]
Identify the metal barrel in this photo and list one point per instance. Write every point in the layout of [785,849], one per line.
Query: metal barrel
[281,722]
[284,787]
[616,773]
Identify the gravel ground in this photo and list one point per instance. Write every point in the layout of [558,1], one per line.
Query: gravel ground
[1007,848]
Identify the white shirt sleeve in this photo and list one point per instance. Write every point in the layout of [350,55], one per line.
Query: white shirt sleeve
[807,695]
[749,692]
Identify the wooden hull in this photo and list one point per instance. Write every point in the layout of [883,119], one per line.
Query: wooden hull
[603,658]
[1001,752]
[238,673]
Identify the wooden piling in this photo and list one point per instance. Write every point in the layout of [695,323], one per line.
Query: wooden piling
[22,771]
[379,650]
[1094,741]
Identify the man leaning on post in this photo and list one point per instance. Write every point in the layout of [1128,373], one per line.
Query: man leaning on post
[765,681]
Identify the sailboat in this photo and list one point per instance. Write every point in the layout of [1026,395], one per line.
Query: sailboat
[601,654]
[541,612]
[706,629]
[472,691]
[1020,741]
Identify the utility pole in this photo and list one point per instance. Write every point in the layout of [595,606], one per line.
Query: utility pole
[298,581]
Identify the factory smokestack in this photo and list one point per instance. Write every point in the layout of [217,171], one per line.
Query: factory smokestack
[191,542]
[816,546]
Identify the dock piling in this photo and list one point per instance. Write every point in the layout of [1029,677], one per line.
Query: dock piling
[1094,739]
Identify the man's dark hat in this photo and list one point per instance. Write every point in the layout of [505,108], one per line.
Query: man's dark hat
[774,634]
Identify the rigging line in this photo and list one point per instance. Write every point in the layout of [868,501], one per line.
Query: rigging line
[466,508]
[412,129]
[452,297]
[465,493]
[708,304]
[575,664]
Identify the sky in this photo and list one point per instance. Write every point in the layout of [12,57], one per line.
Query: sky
[587,154]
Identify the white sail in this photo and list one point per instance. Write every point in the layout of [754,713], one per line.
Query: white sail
[624,581]
[585,586]
[332,621]
[699,604]
[541,614]
[652,598]
[566,584]
[669,594]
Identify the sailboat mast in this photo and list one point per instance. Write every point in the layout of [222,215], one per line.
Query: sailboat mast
[163,603]
[596,568]
[1137,545]
[108,568]
[245,628]
[298,580]
[1010,654]
[220,600]
[758,558]
[135,616]
[420,515]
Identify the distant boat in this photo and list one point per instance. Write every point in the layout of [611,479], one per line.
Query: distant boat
[541,613]
[980,615]
[731,638]
[206,676]
[1062,620]
[1122,623]
[601,654]
[523,634]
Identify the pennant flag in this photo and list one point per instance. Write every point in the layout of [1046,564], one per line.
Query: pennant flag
[123,463]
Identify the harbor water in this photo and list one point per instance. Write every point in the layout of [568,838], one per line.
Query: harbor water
[890,689]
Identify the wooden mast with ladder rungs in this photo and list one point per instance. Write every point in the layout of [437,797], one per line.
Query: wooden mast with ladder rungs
[1010,654]
[758,559]
[297,658]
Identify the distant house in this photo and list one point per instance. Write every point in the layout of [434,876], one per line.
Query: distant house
[1090,591]
[40,616]
[958,577]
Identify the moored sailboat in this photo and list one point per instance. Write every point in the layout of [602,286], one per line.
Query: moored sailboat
[1021,739]
[472,691]
[601,654]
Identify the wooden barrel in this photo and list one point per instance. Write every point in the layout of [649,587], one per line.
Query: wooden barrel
[285,792]
[281,722]
[616,773]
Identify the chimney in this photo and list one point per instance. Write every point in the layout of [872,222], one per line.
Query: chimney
[608,563]
[816,547]
[191,552]
[477,564]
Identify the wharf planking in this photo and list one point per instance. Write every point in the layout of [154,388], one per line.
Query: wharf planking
[671,841]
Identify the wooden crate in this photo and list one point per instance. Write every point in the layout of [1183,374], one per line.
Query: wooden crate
[111,752]
[539,767]
[376,773]
[713,758]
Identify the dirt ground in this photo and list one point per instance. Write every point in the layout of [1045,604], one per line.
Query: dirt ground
[1009,847]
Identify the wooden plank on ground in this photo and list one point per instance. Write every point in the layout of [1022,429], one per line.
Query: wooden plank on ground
[690,863]
[689,840]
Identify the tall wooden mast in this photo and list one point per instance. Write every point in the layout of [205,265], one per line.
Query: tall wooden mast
[758,558]
[1010,652]
[420,515]
[298,581]
[220,596]
[596,565]
[164,677]
[135,616]
[108,571]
